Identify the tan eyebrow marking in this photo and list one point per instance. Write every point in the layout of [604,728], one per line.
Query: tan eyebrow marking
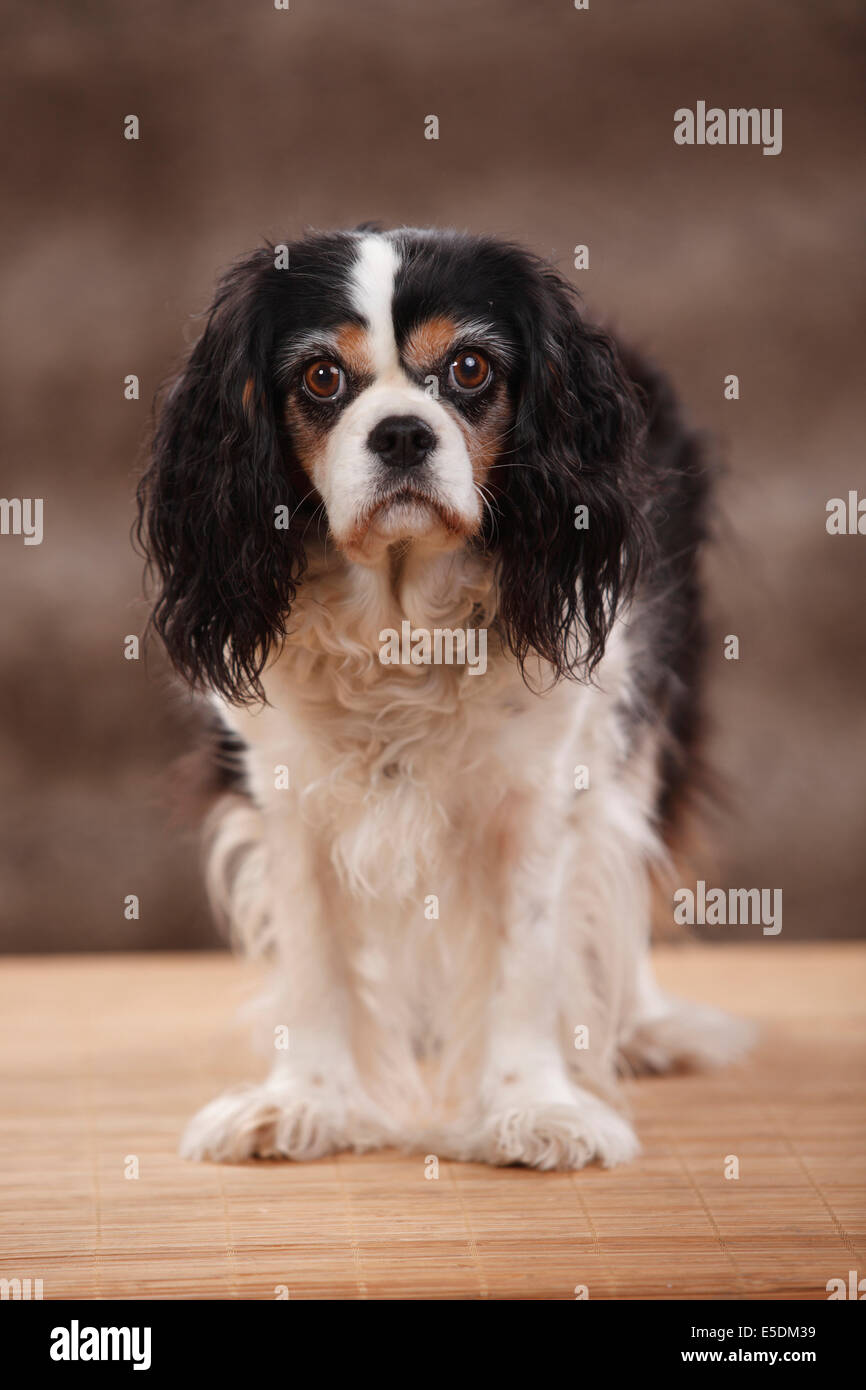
[429,341]
[352,344]
[247,397]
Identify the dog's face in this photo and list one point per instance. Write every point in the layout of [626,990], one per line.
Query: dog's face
[421,388]
[397,412]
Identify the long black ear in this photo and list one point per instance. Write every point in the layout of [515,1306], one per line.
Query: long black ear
[207,503]
[576,443]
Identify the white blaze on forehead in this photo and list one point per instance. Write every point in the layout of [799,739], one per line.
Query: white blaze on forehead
[372,291]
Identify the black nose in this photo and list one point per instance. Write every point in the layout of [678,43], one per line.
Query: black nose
[401,441]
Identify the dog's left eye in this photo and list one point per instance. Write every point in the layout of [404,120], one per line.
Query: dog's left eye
[469,371]
[323,380]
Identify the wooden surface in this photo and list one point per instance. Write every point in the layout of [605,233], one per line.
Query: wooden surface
[103,1058]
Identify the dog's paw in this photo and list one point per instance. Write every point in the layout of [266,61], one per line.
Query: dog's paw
[686,1037]
[552,1135]
[278,1121]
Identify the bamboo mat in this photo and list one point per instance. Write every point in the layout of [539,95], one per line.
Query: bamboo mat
[102,1058]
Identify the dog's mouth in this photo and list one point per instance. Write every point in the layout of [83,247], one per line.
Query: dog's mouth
[405,510]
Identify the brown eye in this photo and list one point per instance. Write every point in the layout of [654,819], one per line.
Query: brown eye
[469,371]
[323,380]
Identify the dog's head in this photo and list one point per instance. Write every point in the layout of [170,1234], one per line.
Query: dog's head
[410,387]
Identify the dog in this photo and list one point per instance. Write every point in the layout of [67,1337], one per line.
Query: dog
[449,867]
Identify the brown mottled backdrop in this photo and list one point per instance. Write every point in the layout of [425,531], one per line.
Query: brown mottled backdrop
[556,129]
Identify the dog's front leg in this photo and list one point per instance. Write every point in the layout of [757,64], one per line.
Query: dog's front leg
[529,1110]
[312,1102]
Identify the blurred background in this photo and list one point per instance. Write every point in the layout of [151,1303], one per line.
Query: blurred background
[556,129]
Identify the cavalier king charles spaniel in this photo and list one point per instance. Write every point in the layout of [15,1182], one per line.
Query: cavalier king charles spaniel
[447,862]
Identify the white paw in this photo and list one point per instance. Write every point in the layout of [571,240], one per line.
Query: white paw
[278,1120]
[686,1037]
[553,1135]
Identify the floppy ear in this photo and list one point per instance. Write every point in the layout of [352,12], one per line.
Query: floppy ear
[577,436]
[207,502]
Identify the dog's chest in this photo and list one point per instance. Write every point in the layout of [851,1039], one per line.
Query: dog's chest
[402,772]
[374,731]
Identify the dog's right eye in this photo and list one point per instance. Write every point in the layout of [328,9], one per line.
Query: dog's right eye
[324,380]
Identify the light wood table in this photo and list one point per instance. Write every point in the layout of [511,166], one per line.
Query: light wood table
[102,1058]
